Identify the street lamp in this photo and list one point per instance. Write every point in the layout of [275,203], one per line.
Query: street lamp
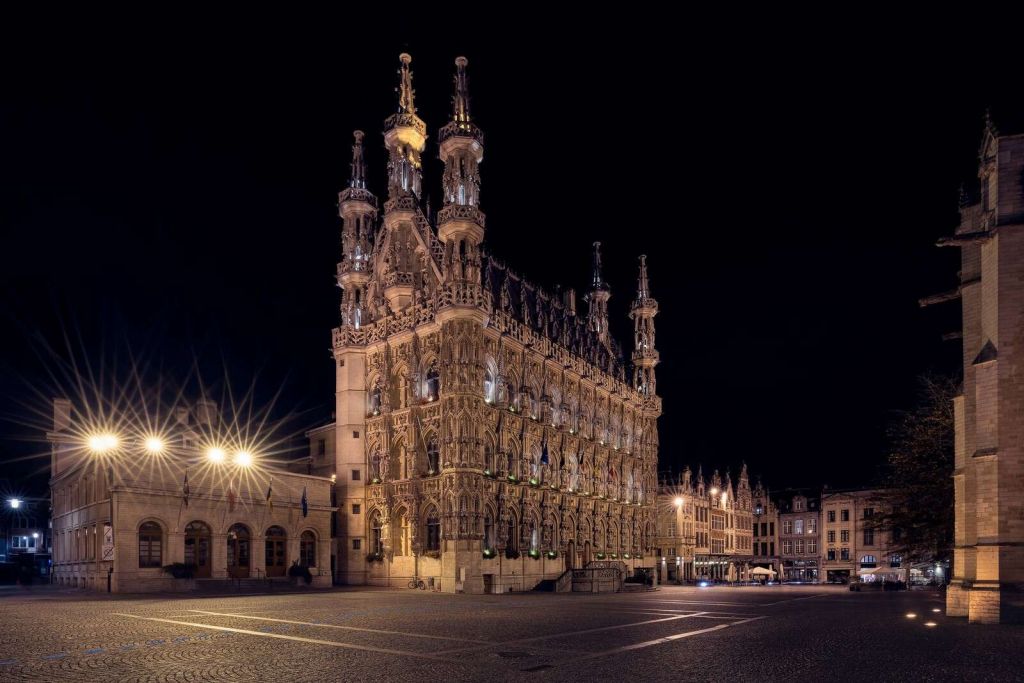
[679,501]
[103,443]
[15,503]
[243,459]
[154,445]
[215,454]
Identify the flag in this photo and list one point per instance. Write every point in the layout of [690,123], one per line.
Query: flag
[184,489]
[270,495]
[305,503]
[231,499]
[544,460]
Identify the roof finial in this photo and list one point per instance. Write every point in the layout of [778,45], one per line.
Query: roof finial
[990,125]
[357,178]
[405,91]
[460,102]
[642,288]
[598,282]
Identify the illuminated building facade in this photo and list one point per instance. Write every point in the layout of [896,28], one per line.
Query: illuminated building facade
[988,558]
[127,504]
[852,545]
[799,522]
[486,435]
[705,528]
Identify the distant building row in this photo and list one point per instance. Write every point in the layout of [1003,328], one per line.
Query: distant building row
[709,529]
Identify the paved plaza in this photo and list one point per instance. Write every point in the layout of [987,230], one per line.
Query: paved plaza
[807,633]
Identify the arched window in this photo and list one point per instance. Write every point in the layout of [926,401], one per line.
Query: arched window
[151,541]
[433,457]
[433,532]
[488,531]
[868,561]
[490,385]
[376,535]
[510,464]
[307,549]
[488,458]
[239,550]
[432,386]
[513,534]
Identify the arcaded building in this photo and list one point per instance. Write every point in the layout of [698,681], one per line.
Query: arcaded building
[988,558]
[488,435]
[132,502]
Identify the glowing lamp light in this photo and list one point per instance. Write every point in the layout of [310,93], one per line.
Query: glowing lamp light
[936,609]
[243,459]
[35,534]
[679,502]
[215,454]
[154,444]
[102,443]
[911,615]
[930,624]
[15,503]
[714,490]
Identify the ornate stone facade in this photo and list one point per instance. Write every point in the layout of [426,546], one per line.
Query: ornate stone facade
[486,435]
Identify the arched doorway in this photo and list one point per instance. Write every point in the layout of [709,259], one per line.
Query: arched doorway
[197,548]
[277,554]
[570,555]
[239,546]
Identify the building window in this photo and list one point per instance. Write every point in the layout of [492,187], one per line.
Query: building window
[844,515]
[832,515]
[432,387]
[488,531]
[356,475]
[800,547]
[433,532]
[355,434]
[307,549]
[895,561]
[376,543]
[787,547]
[812,547]
[831,536]
[321,447]
[869,513]
[151,539]
[812,525]
[844,554]
[868,561]
[356,508]
[798,505]
[357,544]
[787,526]
[798,526]
[869,537]
[490,387]
[433,457]
[844,535]
[831,555]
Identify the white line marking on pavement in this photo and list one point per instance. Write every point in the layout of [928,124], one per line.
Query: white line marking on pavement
[346,628]
[656,641]
[299,639]
[571,633]
[806,597]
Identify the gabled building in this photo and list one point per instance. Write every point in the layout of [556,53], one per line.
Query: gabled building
[799,523]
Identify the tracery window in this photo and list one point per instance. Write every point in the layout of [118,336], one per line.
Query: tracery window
[433,532]
[432,386]
[433,456]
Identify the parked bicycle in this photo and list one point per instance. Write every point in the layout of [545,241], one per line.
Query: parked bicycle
[418,583]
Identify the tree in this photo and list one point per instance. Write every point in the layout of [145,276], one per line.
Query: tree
[918,497]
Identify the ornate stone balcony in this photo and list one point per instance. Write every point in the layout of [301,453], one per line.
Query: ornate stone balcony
[357,194]
[466,129]
[403,202]
[461,212]
[405,120]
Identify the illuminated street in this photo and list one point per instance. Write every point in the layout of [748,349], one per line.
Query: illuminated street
[672,634]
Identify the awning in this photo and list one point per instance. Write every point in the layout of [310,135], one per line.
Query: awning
[761,571]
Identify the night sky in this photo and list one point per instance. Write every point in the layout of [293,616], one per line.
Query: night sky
[169,193]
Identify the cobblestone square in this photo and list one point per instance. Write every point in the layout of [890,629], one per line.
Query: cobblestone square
[676,633]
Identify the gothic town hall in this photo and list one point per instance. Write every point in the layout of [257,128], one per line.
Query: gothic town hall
[488,435]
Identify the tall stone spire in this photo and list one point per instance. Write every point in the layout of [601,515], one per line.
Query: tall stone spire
[357,208]
[598,298]
[645,356]
[357,173]
[461,223]
[405,136]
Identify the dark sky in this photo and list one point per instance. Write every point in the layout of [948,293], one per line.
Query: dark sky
[169,186]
